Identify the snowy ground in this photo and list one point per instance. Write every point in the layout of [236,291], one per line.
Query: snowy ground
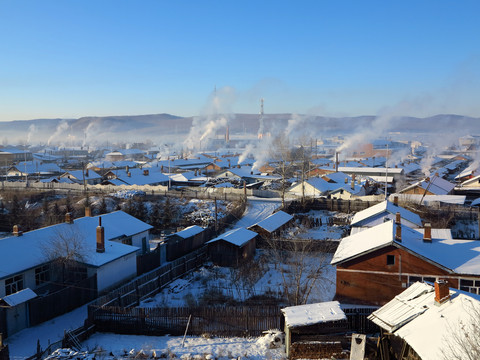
[194,347]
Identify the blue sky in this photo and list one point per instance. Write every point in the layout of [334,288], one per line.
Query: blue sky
[100,57]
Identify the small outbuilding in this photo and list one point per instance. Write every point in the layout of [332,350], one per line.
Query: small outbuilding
[272,226]
[233,247]
[306,327]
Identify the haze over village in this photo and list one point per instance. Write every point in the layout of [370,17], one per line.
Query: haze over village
[248,181]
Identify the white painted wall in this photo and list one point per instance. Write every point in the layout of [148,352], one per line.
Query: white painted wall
[116,272]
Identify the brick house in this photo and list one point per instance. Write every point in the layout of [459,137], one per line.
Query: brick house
[378,263]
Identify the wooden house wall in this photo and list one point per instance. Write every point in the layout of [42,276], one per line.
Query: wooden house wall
[369,280]
[224,253]
[178,246]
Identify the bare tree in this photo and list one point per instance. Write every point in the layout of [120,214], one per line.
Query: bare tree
[281,150]
[65,250]
[302,265]
[461,342]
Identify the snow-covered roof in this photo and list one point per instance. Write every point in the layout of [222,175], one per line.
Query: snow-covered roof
[19,253]
[80,175]
[311,314]
[274,221]
[386,206]
[238,237]
[138,176]
[436,185]
[37,167]
[368,170]
[188,232]
[19,297]
[431,199]
[453,255]
[425,326]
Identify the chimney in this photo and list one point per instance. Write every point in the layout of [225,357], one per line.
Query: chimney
[336,162]
[398,230]
[127,168]
[353,184]
[17,231]
[395,200]
[69,218]
[86,173]
[100,236]
[353,177]
[88,211]
[442,292]
[346,180]
[145,172]
[427,235]
[129,174]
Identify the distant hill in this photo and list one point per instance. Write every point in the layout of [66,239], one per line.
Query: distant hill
[137,128]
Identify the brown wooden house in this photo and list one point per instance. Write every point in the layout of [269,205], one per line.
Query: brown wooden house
[233,247]
[378,263]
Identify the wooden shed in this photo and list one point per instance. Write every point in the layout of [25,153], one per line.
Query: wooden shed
[309,330]
[272,226]
[185,241]
[233,247]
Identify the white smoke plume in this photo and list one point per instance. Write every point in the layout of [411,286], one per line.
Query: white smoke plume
[250,150]
[31,131]
[216,116]
[88,133]
[61,128]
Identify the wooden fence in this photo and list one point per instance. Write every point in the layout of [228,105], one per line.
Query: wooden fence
[60,302]
[149,284]
[217,321]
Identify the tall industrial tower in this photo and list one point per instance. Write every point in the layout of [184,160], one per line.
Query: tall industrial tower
[260,120]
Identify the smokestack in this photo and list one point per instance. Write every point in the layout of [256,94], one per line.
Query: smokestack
[88,211]
[227,135]
[398,230]
[17,231]
[442,292]
[427,235]
[395,200]
[69,218]
[100,236]
[336,162]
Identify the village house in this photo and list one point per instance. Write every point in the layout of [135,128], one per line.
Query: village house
[434,185]
[67,253]
[381,212]
[83,177]
[137,176]
[9,155]
[233,247]
[271,226]
[377,263]
[432,322]
[34,169]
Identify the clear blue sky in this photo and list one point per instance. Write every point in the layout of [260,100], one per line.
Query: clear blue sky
[100,57]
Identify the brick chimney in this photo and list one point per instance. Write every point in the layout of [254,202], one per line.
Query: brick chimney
[442,292]
[129,174]
[88,211]
[17,231]
[395,200]
[352,184]
[145,172]
[346,180]
[398,229]
[69,218]
[100,236]
[427,235]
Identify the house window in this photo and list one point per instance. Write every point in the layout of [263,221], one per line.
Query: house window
[390,259]
[13,284]
[42,274]
[470,285]
[414,279]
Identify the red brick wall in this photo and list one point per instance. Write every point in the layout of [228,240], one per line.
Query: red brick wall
[369,280]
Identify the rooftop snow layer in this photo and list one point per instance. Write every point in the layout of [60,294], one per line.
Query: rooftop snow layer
[237,237]
[274,221]
[310,314]
[388,207]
